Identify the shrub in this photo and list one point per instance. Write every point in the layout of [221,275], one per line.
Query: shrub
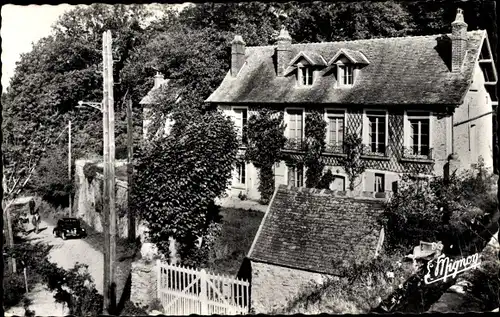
[14,289]
[51,180]
[448,210]
[326,180]
[359,288]
[90,171]
[178,178]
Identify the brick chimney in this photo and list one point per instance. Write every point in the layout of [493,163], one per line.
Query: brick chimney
[458,41]
[237,54]
[158,80]
[283,52]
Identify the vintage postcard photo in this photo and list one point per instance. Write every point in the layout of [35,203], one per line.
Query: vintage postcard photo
[239,158]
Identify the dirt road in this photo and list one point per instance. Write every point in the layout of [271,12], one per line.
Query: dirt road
[66,253]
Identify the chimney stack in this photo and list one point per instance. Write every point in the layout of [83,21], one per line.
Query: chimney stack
[283,52]
[237,54]
[458,41]
[158,80]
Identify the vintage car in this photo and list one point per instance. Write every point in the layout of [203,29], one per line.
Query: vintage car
[69,227]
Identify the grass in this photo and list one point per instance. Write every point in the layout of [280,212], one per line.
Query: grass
[238,231]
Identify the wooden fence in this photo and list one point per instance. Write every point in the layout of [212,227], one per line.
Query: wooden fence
[185,291]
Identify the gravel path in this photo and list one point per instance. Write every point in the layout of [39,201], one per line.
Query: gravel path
[66,253]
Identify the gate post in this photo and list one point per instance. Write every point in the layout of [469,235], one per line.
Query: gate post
[203,292]
[158,279]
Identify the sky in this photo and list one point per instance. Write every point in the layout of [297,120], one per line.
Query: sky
[24,25]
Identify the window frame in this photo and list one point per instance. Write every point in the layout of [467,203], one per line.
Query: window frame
[366,127]
[295,174]
[375,175]
[238,174]
[301,80]
[343,74]
[239,132]
[287,121]
[326,118]
[426,114]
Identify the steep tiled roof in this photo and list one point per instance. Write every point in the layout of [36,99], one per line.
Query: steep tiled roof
[355,56]
[173,90]
[402,70]
[311,57]
[313,230]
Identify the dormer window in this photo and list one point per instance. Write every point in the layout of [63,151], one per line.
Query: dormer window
[306,64]
[346,75]
[348,63]
[305,75]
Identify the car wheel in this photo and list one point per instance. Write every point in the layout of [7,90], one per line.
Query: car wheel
[63,236]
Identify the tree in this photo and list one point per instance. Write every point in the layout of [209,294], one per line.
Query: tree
[50,180]
[352,163]
[178,177]
[59,72]
[266,139]
[315,133]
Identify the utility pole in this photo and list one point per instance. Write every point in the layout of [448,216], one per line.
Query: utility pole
[8,223]
[69,166]
[105,195]
[130,154]
[111,178]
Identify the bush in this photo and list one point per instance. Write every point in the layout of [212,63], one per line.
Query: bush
[90,171]
[193,166]
[14,289]
[448,210]
[51,180]
[359,288]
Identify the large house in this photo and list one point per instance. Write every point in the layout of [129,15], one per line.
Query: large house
[420,104]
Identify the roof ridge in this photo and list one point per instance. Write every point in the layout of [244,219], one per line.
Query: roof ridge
[371,39]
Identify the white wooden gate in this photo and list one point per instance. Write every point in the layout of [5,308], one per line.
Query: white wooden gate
[185,291]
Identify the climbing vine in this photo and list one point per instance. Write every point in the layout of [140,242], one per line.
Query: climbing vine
[265,141]
[315,133]
[352,163]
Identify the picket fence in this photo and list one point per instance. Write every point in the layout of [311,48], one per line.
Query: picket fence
[185,291]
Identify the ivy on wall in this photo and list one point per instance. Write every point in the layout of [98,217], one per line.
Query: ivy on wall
[315,133]
[266,139]
[352,163]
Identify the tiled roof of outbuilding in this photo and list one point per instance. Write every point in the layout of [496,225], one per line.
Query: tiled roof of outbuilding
[313,230]
[402,70]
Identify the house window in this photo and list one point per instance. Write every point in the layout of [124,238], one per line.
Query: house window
[335,132]
[419,140]
[241,117]
[240,173]
[379,185]
[306,76]
[377,132]
[296,175]
[346,75]
[295,125]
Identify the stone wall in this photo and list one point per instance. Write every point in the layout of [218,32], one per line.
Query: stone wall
[143,290]
[88,199]
[274,286]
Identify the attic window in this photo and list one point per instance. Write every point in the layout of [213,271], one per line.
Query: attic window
[305,75]
[345,75]
[307,79]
